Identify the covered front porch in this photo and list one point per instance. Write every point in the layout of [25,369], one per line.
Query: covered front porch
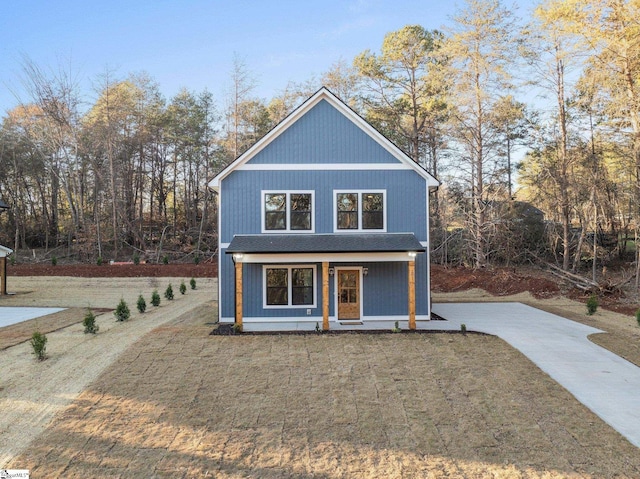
[347,270]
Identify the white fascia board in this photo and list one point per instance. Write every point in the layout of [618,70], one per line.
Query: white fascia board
[323,94]
[4,251]
[329,257]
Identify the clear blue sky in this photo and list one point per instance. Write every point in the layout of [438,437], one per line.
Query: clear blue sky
[191,43]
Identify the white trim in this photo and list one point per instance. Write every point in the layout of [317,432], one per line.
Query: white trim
[220,261]
[224,246]
[5,251]
[317,319]
[289,267]
[335,292]
[323,94]
[330,257]
[428,252]
[360,192]
[288,194]
[425,243]
[322,166]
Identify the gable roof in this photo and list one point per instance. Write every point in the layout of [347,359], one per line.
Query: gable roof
[323,94]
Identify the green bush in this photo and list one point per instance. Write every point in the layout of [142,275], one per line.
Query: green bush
[122,312]
[463,328]
[638,317]
[196,259]
[168,293]
[136,258]
[141,304]
[99,261]
[165,259]
[592,304]
[183,288]
[39,344]
[192,282]
[89,323]
[54,260]
[12,259]
[155,298]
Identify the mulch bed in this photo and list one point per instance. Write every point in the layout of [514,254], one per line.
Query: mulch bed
[208,269]
[228,330]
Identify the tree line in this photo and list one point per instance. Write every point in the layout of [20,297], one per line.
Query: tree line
[532,124]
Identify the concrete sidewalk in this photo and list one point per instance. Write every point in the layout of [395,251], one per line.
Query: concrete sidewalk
[602,381]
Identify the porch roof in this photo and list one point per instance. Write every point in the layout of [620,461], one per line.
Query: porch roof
[325,243]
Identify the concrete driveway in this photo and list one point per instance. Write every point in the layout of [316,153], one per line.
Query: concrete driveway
[602,381]
[13,314]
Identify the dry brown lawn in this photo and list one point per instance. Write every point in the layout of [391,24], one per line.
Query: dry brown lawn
[181,403]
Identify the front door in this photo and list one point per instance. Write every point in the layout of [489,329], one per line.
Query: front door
[348,294]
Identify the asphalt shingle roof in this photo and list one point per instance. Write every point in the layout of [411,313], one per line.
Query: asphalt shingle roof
[325,243]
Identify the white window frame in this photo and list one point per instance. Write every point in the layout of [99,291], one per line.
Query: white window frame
[360,192]
[289,267]
[288,194]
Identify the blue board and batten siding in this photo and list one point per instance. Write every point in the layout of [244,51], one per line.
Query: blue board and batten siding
[324,136]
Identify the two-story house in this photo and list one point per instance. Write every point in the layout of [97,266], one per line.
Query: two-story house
[323,223]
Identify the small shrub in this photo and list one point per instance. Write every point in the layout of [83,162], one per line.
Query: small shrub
[592,304]
[39,345]
[89,323]
[168,293]
[196,259]
[122,312]
[183,288]
[12,259]
[141,304]
[638,317]
[396,328]
[155,298]
[54,260]
[136,258]
[317,327]
[165,259]
[193,283]
[237,328]
[99,261]
[463,328]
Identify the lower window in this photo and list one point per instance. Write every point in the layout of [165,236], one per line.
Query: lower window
[289,286]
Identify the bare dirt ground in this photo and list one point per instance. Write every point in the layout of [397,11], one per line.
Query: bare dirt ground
[159,397]
[31,393]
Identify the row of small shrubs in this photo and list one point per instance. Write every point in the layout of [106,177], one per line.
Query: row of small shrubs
[122,313]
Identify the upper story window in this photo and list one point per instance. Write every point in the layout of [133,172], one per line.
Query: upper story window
[287,211]
[363,210]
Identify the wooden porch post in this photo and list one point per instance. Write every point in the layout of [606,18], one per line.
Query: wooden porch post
[412,294]
[325,296]
[3,276]
[238,293]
